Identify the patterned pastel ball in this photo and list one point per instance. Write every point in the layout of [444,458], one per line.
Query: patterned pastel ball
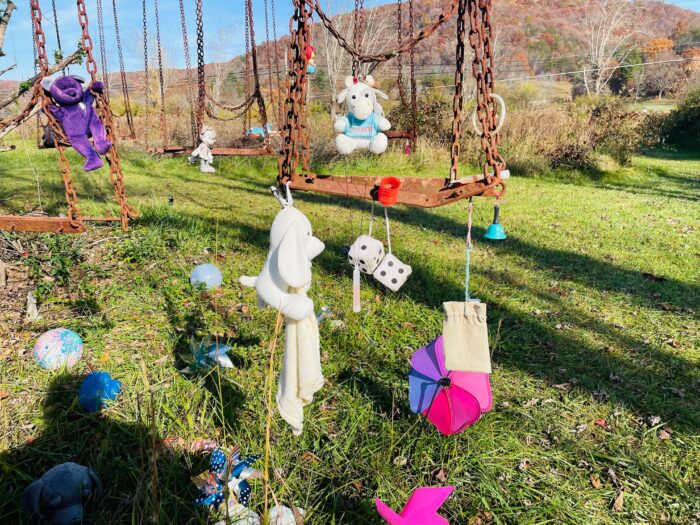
[206,276]
[58,348]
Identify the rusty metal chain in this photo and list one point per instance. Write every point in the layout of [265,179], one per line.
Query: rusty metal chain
[116,175]
[399,59]
[146,76]
[458,99]
[55,25]
[357,35]
[257,92]
[201,81]
[246,120]
[188,72]
[122,74]
[388,54]
[269,58]
[414,88]
[103,51]
[481,40]
[161,81]
[280,110]
[295,140]
[74,216]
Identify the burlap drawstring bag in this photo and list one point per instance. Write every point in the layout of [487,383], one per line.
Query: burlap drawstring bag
[465,337]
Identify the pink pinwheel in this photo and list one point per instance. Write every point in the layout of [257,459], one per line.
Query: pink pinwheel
[421,508]
[451,400]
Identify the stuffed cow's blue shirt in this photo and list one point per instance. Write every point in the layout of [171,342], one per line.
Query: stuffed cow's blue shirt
[361,129]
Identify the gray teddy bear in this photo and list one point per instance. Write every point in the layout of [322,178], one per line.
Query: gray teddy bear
[60,495]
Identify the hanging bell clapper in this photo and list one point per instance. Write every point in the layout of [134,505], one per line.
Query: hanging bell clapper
[495,231]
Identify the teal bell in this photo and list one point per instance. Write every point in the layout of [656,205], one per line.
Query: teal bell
[495,231]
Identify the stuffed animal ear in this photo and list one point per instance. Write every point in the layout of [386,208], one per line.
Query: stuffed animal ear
[79,79]
[349,81]
[292,261]
[96,484]
[342,95]
[381,94]
[32,500]
[47,82]
[369,80]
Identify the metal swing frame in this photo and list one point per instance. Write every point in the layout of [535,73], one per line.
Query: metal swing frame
[294,165]
[73,222]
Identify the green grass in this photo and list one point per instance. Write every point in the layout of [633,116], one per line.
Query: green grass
[593,315]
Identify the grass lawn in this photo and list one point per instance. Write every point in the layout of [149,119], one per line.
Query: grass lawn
[593,318]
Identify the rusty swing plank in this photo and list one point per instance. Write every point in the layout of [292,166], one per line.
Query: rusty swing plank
[420,192]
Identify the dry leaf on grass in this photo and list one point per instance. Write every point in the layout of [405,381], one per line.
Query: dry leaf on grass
[595,481]
[619,501]
[4,394]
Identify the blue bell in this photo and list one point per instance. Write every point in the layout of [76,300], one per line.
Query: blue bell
[495,231]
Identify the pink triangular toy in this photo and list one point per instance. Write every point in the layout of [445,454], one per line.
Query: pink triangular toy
[421,508]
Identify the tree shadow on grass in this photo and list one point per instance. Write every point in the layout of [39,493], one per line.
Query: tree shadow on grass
[119,448]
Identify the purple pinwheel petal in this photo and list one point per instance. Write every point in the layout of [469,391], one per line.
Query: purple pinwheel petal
[429,360]
[421,391]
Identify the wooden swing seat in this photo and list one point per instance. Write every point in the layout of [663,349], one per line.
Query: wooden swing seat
[398,134]
[415,191]
[42,224]
[221,152]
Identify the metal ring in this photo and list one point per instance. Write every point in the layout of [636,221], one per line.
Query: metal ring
[501,117]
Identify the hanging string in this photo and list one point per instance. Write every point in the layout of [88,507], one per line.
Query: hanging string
[388,235]
[469,248]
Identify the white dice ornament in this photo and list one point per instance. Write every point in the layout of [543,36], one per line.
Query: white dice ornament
[392,273]
[366,252]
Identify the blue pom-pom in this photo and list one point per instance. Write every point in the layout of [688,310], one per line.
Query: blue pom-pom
[97,390]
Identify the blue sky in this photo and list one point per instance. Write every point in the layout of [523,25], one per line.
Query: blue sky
[223,25]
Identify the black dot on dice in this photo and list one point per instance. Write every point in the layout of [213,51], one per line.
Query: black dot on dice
[363,247]
[394,281]
[391,263]
[362,262]
[400,270]
[383,273]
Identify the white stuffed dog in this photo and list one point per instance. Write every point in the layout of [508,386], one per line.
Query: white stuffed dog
[288,265]
[283,282]
[364,123]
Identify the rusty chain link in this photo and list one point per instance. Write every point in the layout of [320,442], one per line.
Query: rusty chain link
[58,32]
[280,110]
[122,74]
[161,81]
[257,92]
[246,120]
[269,58]
[146,75]
[201,81]
[399,58]
[481,40]
[458,99]
[75,219]
[414,87]
[116,175]
[188,71]
[384,55]
[103,51]
[295,140]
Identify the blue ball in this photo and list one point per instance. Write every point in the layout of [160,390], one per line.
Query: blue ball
[206,275]
[97,390]
[58,347]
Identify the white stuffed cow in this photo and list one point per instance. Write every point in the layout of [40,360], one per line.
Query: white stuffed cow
[364,124]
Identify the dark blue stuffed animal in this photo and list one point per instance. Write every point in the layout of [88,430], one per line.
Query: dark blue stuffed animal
[59,497]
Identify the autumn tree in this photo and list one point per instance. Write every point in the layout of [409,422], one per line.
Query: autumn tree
[610,27]
[663,68]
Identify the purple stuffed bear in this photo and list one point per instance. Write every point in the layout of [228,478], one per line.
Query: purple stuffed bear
[75,112]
